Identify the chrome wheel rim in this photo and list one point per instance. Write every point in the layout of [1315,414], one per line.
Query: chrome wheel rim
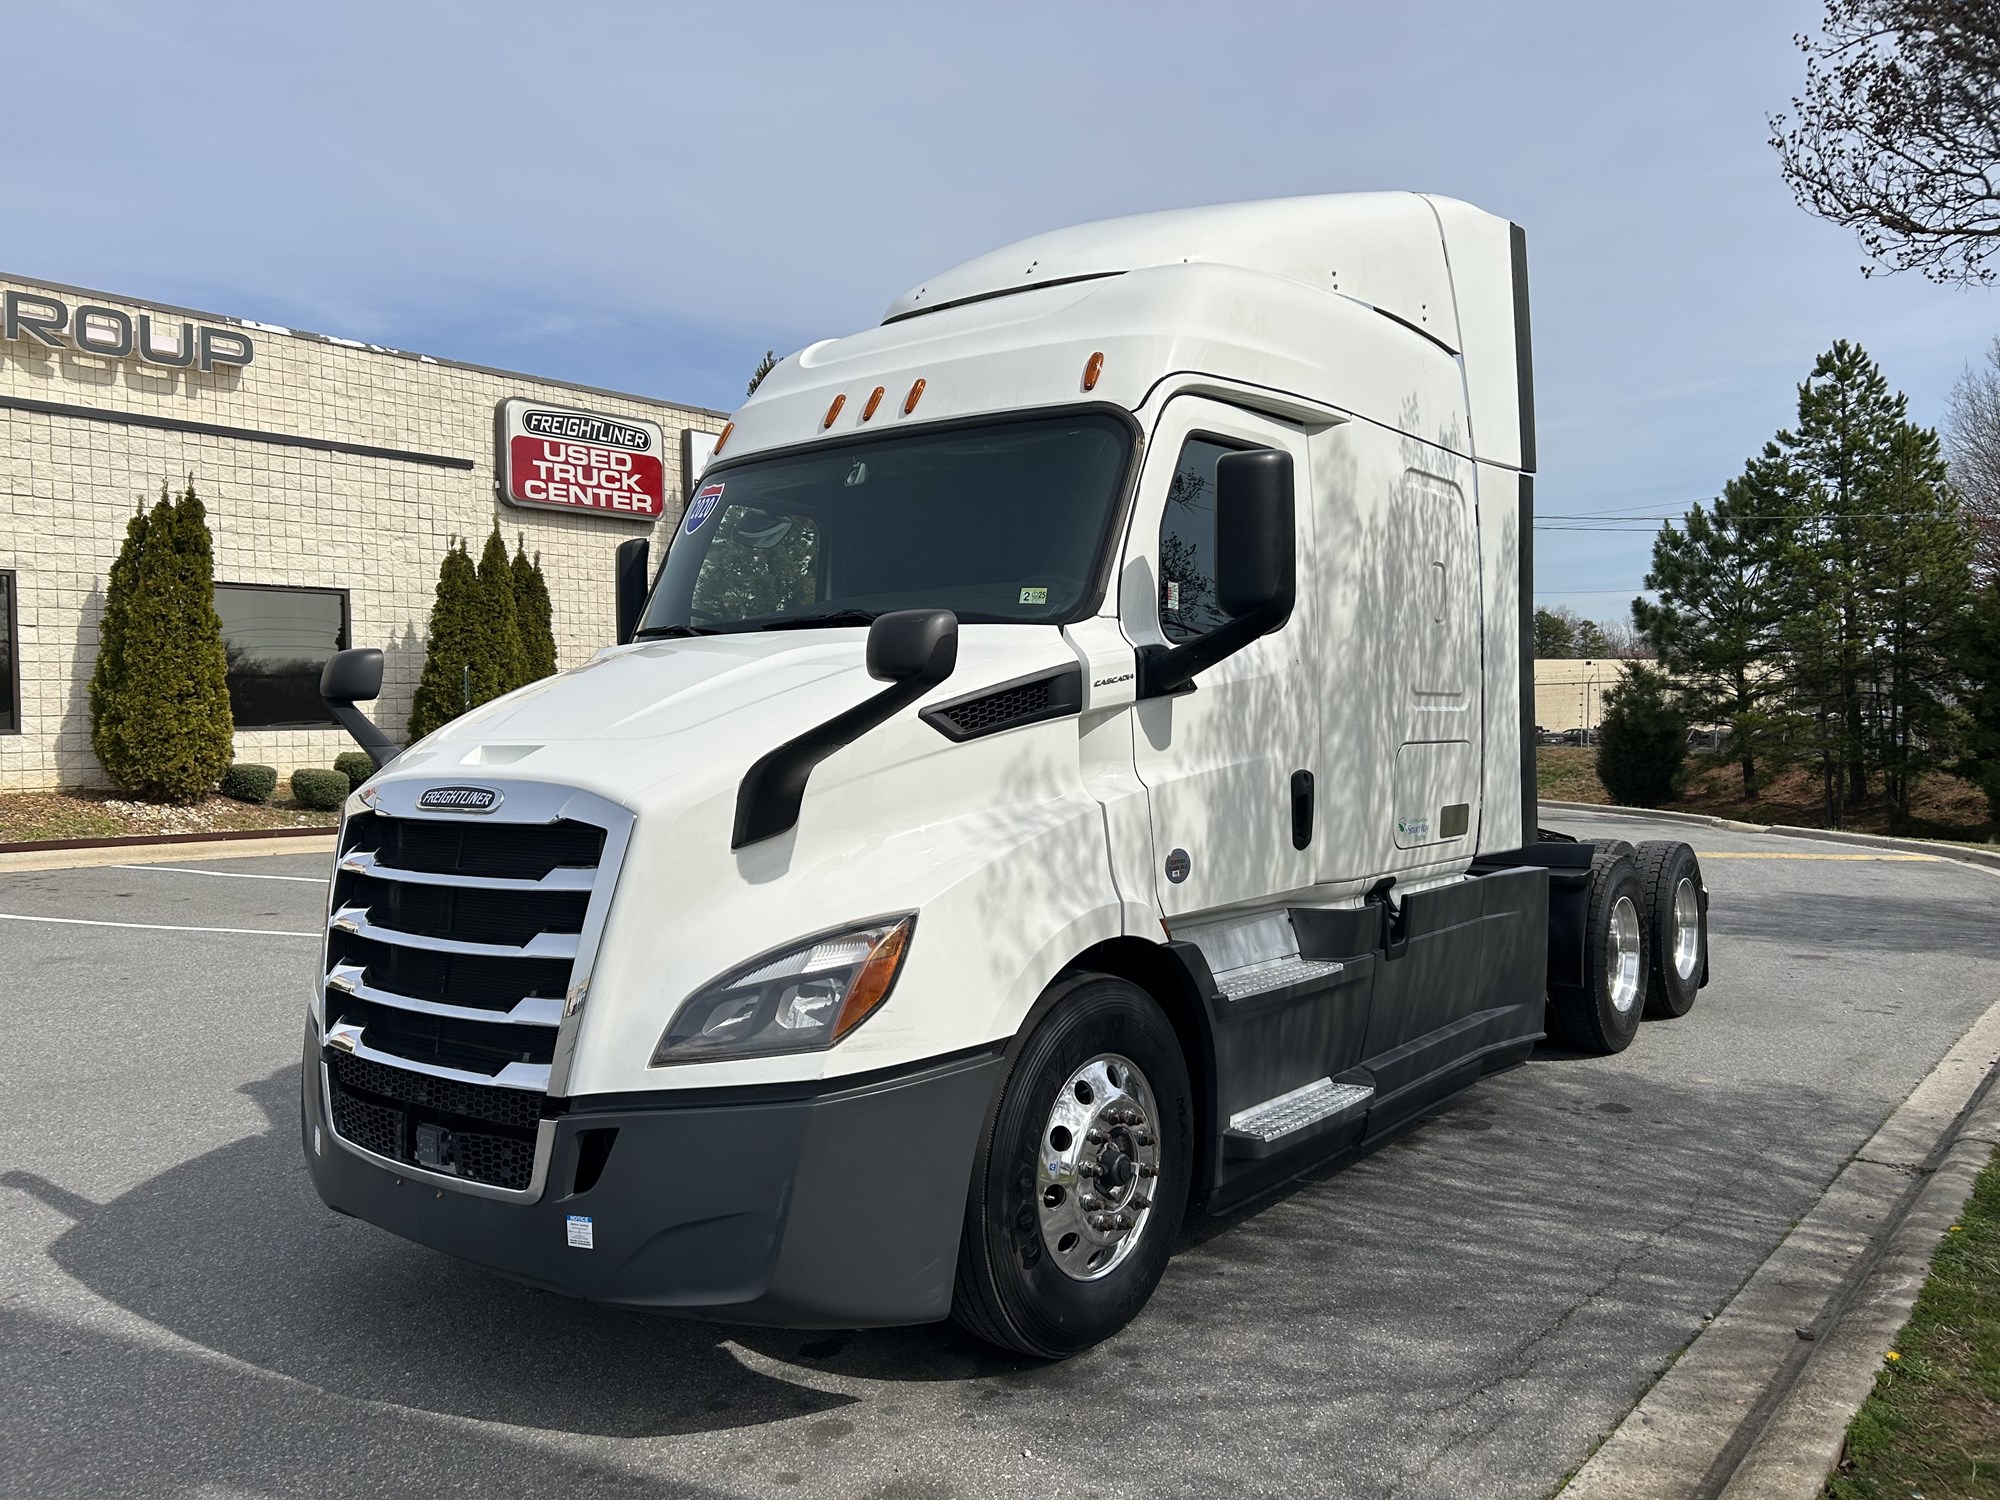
[1621,958]
[1095,1166]
[1687,929]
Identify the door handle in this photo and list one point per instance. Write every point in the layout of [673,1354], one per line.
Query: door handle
[1302,809]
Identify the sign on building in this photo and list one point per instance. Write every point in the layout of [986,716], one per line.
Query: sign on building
[559,458]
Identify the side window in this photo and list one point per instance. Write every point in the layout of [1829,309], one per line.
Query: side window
[1187,544]
[761,562]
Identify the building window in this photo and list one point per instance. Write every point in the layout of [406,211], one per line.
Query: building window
[10,658]
[277,639]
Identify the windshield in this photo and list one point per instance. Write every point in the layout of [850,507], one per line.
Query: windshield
[999,523]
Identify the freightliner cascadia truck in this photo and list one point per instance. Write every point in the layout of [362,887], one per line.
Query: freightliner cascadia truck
[1072,768]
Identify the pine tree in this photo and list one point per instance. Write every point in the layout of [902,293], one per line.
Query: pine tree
[502,665]
[1838,461]
[535,614]
[1976,646]
[1714,625]
[1923,590]
[452,647]
[173,736]
[764,367]
[108,678]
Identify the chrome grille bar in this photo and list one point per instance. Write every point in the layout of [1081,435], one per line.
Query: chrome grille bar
[529,1010]
[354,919]
[562,878]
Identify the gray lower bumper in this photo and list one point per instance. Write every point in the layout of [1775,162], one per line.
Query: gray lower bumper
[838,1210]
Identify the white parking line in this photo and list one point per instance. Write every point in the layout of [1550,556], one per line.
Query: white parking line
[8,916]
[223,874]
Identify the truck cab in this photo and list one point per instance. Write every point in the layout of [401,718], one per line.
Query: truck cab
[1074,764]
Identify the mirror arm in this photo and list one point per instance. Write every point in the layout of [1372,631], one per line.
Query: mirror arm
[767,801]
[1167,671]
[381,749]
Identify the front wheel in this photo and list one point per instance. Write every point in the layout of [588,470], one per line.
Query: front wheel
[1082,1178]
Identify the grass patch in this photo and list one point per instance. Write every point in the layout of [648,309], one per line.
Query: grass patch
[1942,807]
[1931,1427]
[31,817]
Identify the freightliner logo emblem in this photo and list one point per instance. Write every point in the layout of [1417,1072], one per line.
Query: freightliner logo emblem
[465,799]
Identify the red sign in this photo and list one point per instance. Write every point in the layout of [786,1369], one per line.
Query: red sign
[573,460]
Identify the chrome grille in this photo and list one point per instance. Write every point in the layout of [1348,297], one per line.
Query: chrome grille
[457,955]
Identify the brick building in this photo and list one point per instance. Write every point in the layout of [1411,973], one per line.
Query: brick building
[335,474]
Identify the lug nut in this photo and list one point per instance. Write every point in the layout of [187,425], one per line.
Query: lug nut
[1141,1202]
[1145,1170]
[1142,1138]
[1092,1202]
[1088,1168]
[1124,1221]
[1095,1136]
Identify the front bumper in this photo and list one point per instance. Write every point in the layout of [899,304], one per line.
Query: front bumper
[836,1209]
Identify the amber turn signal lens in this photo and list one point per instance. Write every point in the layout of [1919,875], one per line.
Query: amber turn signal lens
[874,401]
[833,411]
[1092,368]
[871,986]
[910,401]
[723,436]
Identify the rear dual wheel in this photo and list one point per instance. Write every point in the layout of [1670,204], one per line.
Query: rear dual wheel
[1602,1014]
[1676,911]
[1082,1176]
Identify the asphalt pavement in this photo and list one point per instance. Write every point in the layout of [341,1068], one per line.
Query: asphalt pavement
[1465,1312]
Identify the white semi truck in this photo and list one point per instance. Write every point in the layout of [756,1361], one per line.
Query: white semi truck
[1074,765]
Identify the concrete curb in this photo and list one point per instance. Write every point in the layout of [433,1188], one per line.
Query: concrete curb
[1764,1393]
[97,855]
[1985,858]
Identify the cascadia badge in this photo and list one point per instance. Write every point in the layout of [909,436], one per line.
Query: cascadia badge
[466,799]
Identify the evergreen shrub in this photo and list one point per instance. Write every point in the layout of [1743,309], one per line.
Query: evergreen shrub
[355,765]
[321,791]
[1642,740]
[249,783]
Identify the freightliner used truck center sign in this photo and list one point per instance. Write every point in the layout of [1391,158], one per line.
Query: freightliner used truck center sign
[564,459]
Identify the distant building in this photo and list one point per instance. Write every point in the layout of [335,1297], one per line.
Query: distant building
[1569,694]
[335,474]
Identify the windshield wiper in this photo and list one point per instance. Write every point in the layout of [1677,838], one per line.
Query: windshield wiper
[672,631]
[808,622]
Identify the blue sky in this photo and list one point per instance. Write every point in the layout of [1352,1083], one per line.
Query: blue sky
[646,196]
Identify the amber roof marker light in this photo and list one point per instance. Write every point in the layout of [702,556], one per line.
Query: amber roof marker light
[833,410]
[723,436]
[874,400]
[1092,368]
[910,401]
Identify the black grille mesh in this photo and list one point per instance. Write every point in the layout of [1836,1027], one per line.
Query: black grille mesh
[454,978]
[515,851]
[509,918]
[516,1108]
[372,1127]
[996,710]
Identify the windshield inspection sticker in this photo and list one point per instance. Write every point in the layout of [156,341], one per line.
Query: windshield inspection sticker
[1034,596]
[702,506]
[579,1229]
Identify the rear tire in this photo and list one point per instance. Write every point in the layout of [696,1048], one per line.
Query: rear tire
[1676,912]
[1602,1015]
[1065,1235]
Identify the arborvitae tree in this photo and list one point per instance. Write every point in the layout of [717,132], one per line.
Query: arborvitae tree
[534,613]
[1642,740]
[503,665]
[171,731]
[453,647]
[1714,625]
[108,678]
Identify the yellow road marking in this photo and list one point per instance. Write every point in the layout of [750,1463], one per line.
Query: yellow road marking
[1741,854]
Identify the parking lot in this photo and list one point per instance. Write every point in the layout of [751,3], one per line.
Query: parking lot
[1464,1312]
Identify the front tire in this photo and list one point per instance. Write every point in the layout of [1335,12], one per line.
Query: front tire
[1602,1014]
[1081,1180]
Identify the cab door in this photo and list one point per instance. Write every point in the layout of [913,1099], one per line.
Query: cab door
[1228,766]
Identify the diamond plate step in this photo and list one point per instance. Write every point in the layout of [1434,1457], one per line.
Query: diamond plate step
[1275,976]
[1299,1108]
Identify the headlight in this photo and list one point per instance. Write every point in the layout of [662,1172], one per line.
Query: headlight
[799,999]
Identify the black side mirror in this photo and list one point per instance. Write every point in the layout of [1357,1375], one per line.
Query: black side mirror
[1256,569]
[351,677]
[632,585]
[913,645]
[1256,562]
